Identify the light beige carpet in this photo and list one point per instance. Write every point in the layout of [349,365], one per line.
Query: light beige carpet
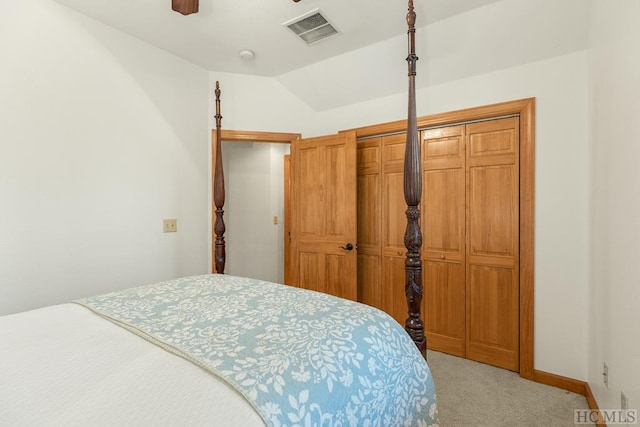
[474,394]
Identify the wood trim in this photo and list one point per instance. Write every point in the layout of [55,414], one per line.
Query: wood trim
[593,405]
[525,108]
[565,383]
[256,136]
[451,117]
[228,135]
[287,220]
[572,385]
[527,205]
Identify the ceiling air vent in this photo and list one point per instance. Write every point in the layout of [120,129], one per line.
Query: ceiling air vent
[311,27]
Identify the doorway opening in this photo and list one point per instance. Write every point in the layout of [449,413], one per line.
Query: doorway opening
[254,207]
[243,256]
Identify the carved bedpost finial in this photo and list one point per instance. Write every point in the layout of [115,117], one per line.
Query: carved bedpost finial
[218,191]
[412,192]
[218,116]
[412,58]
[411,17]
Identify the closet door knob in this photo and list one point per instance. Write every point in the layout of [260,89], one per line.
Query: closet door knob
[348,247]
[442,257]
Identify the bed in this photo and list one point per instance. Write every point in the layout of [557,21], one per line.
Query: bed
[222,350]
[211,350]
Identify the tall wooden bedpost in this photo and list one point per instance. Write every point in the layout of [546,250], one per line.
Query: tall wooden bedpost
[412,193]
[218,191]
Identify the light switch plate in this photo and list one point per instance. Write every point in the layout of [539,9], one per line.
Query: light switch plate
[169,225]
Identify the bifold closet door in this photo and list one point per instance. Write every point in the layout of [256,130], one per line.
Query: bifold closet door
[381,224]
[369,160]
[492,246]
[443,248]
[394,223]
[470,228]
[470,209]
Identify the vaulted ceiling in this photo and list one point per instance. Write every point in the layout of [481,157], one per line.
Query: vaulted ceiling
[489,34]
[214,36]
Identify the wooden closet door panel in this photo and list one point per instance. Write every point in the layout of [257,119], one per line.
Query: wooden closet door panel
[444,306]
[369,280]
[493,316]
[369,209]
[443,249]
[369,222]
[443,148]
[493,243]
[443,214]
[393,250]
[444,260]
[493,209]
[393,213]
[393,296]
[369,239]
[394,220]
[369,156]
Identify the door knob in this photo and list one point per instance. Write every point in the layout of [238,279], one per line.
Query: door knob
[348,247]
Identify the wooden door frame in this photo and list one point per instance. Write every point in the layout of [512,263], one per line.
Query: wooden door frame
[228,135]
[525,109]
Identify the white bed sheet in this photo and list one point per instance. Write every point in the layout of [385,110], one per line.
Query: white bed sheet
[64,366]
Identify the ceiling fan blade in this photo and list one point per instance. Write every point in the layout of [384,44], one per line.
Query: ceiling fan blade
[185,7]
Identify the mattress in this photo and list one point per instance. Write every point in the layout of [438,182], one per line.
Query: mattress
[212,350]
[112,377]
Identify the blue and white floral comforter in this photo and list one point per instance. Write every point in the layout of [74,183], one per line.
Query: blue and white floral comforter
[299,357]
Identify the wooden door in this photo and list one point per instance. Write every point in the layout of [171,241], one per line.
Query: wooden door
[369,160]
[394,222]
[470,219]
[492,242]
[486,190]
[324,214]
[443,248]
[381,210]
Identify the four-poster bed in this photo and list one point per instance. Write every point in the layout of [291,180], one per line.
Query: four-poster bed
[249,352]
[412,193]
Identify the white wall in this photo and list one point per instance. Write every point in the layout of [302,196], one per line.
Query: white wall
[258,103]
[254,183]
[614,94]
[101,136]
[499,35]
[561,244]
